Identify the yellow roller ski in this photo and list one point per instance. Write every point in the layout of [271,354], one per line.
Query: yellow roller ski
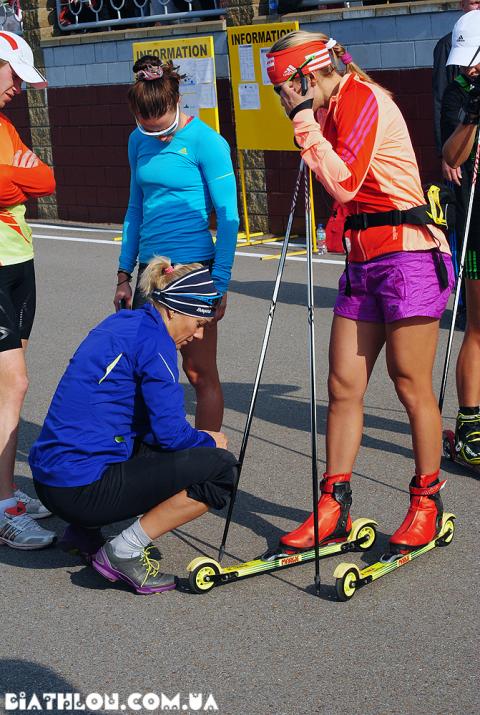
[349,577]
[205,573]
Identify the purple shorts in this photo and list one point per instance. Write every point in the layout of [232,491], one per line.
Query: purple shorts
[394,287]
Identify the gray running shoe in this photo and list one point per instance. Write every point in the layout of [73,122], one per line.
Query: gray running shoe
[141,572]
[34,507]
[19,531]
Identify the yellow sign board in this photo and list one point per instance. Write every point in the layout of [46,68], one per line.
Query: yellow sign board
[195,59]
[260,121]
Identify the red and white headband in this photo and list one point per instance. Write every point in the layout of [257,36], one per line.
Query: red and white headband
[308,57]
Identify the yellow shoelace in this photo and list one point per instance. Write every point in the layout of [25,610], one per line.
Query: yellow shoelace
[152,566]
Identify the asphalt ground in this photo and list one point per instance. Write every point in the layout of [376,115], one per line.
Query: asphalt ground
[406,644]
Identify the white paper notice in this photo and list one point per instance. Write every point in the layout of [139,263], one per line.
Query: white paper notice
[189,68]
[191,104]
[204,69]
[247,68]
[249,96]
[263,64]
[208,97]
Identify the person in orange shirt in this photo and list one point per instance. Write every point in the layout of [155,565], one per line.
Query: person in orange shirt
[22,176]
[398,273]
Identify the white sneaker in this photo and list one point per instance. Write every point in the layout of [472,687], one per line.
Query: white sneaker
[34,507]
[19,531]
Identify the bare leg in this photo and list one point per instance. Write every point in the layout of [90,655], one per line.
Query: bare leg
[468,363]
[171,513]
[354,348]
[13,387]
[411,347]
[200,366]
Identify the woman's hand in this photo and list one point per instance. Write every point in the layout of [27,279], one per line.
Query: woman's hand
[291,96]
[221,440]
[25,159]
[123,293]
[452,174]
[220,310]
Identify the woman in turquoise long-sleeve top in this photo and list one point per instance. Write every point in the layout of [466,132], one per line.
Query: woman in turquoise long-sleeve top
[181,170]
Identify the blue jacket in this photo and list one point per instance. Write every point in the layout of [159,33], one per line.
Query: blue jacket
[122,383]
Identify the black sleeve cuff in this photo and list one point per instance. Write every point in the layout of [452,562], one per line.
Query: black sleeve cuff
[306,104]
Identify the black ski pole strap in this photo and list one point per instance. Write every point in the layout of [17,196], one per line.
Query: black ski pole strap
[306,104]
[348,285]
[440,268]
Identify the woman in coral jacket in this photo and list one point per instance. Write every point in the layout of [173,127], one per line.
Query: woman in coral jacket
[22,176]
[398,274]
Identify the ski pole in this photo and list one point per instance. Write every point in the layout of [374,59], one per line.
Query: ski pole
[271,313]
[459,279]
[313,383]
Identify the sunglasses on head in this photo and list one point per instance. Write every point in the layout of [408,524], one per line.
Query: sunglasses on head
[162,132]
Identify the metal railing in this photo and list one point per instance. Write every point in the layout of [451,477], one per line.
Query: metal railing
[108,14]
[11,16]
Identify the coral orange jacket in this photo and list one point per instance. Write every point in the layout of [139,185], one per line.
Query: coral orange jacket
[361,151]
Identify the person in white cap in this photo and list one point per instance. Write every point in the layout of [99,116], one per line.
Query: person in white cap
[442,75]
[459,123]
[22,176]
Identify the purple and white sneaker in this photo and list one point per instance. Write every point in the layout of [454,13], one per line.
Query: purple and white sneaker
[81,542]
[140,572]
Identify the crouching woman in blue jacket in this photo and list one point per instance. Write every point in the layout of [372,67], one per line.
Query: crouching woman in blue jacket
[116,442]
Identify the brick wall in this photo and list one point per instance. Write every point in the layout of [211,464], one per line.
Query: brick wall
[91,125]
[90,129]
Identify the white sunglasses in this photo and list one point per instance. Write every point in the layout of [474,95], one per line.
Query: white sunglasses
[162,132]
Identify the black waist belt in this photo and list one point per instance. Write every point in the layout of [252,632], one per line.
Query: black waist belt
[417,216]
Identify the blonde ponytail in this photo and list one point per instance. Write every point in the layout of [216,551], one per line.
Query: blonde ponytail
[160,272]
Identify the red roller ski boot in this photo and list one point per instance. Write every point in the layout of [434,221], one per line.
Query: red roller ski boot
[334,522]
[423,521]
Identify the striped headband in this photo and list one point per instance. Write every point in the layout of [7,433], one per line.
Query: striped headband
[308,57]
[194,294]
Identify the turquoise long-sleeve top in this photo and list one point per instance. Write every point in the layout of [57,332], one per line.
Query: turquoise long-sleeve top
[173,188]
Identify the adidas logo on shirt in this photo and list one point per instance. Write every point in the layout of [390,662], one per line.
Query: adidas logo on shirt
[460,38]
[183,150]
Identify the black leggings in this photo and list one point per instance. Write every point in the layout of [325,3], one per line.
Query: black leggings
[129,489]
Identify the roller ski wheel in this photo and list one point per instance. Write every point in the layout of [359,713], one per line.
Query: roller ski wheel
[349,578]
[201,574]
[448,442]
[450,452]
[205,573]
[365,533]
[346,584]
[447,532]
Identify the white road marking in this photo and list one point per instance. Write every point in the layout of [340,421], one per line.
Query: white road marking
[245,254]
[76,240]
[75,228]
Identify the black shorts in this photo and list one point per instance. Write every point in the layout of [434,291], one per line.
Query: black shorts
[17,304]
[129,489]
[138,297]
